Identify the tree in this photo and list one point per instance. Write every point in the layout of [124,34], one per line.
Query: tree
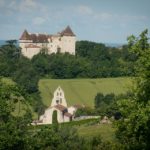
[99,99]
[54,119]
[13,129]
[26,76]
[133,130]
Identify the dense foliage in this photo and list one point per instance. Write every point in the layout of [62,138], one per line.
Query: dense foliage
[21,70]
[92,60]
[134,127]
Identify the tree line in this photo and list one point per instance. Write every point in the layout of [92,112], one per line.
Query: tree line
[92,60]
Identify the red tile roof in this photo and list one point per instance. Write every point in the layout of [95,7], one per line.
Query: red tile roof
[36,38]
[60,107]
[68,114]
[43,38]
[25,35]
[67,32]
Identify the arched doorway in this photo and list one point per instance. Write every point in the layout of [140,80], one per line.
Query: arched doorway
[54,117]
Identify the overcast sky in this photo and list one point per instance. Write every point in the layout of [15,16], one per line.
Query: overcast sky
[108,21]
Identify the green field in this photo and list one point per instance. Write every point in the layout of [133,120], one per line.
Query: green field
[106,131]
[82,91]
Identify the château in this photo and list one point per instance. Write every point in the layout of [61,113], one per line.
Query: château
[31,43]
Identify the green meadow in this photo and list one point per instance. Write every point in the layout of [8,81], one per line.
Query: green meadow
[106,131]
[83,91]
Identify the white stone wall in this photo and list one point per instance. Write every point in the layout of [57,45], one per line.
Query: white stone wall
[66,119]
[24,43]
[48,116]
[65,43]
[30,52]
[59,98]
[68,44]
[72,110]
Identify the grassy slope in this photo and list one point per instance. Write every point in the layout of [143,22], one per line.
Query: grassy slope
[106,131]
[82,91]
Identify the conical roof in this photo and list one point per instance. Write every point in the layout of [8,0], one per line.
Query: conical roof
[67,32]
[25,35]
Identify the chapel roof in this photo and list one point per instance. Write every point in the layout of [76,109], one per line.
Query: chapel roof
[67,114]
[60,107]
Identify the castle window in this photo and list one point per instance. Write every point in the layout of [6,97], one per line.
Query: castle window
[58,49]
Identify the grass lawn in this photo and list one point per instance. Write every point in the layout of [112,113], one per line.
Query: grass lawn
[82,91]
[106,131]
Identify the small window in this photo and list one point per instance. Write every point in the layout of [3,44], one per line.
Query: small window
[57,93]
[58,49]
[57,101]
[60,94]
[60,100]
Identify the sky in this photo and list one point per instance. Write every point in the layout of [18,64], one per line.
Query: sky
[104,21]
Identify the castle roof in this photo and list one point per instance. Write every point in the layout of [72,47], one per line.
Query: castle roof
[25,35]
[67,32]
[40,38]
[43,38]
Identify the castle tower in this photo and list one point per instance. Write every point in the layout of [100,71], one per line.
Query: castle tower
[68,40]
[24,39]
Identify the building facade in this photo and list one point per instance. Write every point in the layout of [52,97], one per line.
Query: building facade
[31,44]
[58,104]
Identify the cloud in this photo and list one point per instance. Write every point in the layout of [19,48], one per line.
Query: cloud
[27,5]
[107,16]
[103,16]
[38,20]
[24,6]
[84,10]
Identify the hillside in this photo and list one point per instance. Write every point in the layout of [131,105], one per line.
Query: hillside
[82,91]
